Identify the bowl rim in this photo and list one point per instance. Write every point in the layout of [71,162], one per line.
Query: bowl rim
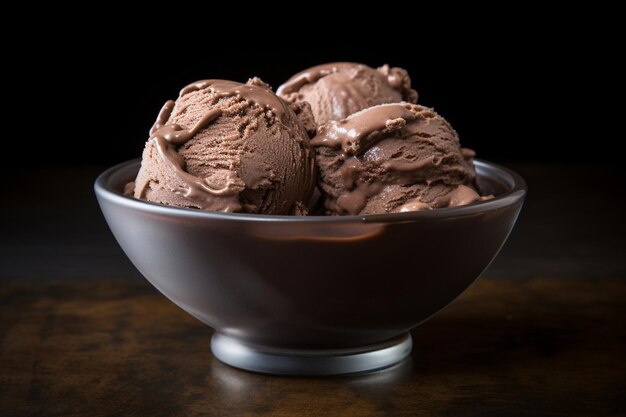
[514,181]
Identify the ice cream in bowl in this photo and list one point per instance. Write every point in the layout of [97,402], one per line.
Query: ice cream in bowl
[314,228]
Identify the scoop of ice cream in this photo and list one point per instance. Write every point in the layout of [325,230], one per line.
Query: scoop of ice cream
[392,158]
[337,90]
[227,146]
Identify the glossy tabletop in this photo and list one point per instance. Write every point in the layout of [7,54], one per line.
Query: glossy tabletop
[506,347]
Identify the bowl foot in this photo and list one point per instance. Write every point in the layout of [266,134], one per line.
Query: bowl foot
[310,362]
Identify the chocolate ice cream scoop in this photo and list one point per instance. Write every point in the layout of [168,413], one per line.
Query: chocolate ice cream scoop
[227,146]
[392,158]
[337,90]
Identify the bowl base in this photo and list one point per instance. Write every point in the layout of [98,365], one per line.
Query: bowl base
[280,361]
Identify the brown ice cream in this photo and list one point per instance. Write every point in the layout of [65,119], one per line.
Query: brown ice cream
[338,90]
[232,147]
[226,146]
[392,158]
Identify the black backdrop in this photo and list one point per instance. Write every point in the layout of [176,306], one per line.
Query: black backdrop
[511,96]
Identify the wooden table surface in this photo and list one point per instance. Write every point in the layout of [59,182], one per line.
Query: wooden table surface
[537,347]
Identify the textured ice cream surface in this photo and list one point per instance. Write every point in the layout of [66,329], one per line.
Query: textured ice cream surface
[337,90]
[227,146]
[392,158]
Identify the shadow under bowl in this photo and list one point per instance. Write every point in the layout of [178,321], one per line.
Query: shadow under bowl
[311,295]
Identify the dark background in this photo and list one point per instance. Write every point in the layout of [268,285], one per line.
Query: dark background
[512,94]
[522,94]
